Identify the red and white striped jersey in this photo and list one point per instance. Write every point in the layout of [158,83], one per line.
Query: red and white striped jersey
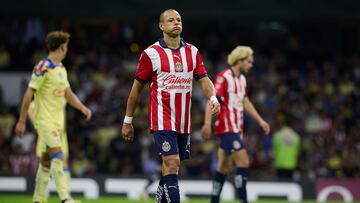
[170,74]
[231,90]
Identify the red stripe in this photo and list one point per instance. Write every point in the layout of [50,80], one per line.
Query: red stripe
[189,59]
[241,122]
[227,115]
[236,121]
[228,122]
[219,125]
[164,60]
[165,97]
[153,105]
[178,109]
[236,91]
[187,106]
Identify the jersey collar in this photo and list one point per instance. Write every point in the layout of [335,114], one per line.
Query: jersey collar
[51,64]
[233,73]
[163,44]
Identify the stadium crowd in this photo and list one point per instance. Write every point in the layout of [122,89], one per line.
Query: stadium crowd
[294,82]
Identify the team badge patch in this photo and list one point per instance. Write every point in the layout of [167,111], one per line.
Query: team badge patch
[236,144]
[54,133]
[178,67]
[166,146]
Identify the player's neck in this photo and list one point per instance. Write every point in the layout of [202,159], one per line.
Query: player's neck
[172,42]
[55,57]
[236,71]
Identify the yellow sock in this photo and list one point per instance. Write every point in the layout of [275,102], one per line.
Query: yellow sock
[41,182]
[57,173]
[68,178]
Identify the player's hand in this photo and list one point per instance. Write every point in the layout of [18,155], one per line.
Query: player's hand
[265,126]
[87,113]
[214,107]
[127,132]
[206,132]
[20,128]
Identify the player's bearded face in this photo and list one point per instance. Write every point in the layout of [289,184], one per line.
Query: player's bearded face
[172,25]
[246,64]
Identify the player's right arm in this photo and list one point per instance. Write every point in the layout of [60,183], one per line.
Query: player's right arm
[143,73]
[127,127]
[37,80]
[21,124]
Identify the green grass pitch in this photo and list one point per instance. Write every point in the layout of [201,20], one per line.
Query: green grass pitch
[54,199]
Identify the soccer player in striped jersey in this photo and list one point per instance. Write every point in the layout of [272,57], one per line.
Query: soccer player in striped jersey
[230,85]
[169,66]
[52,91]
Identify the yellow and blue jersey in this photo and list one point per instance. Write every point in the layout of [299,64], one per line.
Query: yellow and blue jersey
[50,82]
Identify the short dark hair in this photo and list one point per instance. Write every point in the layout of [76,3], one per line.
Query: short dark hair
[161,17]
[56,38]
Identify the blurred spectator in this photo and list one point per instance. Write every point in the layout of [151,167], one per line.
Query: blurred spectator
[286,144]
[25,142]
[34,31]
[7,122]
[5,57]
[22,163]
[81,165]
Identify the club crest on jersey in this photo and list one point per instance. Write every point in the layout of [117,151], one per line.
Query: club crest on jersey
[166,146]
[236,144]
[54,133]
[178,67]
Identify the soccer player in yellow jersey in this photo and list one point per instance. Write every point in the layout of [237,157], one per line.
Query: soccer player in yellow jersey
[39,154]
[51,91]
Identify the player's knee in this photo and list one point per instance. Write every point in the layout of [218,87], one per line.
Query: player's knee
[171,165]
[45,160]
[224,168]
[57,164]
[243,163]
[45,163]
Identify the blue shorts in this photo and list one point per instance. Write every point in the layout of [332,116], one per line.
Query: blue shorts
[231,142]
[171,142]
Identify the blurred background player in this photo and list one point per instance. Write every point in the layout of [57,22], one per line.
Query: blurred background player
[64,147]
[286,147]
[51,91]
[230,87]
[170,65]
[152,170]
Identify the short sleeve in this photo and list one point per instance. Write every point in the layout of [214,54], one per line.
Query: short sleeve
[199,71]
[38,75]
[144,68]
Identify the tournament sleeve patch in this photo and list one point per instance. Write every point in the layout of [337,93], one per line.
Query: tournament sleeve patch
[41,68]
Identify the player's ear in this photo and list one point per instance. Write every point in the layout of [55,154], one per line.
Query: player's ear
[160,26]
[62,47]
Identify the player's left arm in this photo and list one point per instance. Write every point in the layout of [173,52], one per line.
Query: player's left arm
[250,109]
[74,101]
